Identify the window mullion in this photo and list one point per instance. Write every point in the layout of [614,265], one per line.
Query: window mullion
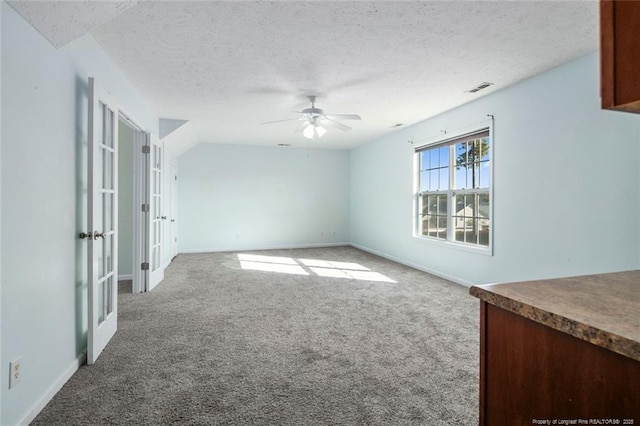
[450,201]
[418,205]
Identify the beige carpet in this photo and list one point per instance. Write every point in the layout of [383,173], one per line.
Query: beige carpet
[331,336]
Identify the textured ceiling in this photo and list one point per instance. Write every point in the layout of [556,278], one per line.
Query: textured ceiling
[229,66]
[64,21]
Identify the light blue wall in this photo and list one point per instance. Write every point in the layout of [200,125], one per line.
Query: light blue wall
[566,189]
[44,115]
[242,197]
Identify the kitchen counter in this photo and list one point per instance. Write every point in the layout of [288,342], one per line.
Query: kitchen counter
[560,350]
[601,309]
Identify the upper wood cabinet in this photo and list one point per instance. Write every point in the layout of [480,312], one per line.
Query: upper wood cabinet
[620,55]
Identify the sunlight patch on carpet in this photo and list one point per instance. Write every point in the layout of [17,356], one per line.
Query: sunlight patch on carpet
[273,267]
[267,259]
[321,268]
[327,264]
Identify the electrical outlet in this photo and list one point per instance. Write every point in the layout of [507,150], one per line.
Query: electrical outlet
[15,372]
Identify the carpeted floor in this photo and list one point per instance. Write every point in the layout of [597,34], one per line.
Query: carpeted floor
[219,344]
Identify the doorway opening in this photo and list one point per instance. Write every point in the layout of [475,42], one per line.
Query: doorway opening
[126,133]
[140,159]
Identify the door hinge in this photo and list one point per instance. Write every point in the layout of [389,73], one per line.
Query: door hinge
[144,266]
[146,149]
[145,207]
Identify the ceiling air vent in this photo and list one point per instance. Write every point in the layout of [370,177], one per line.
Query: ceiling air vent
[480,87]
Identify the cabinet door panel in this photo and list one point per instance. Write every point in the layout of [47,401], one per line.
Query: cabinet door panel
[620,55]
[530,371]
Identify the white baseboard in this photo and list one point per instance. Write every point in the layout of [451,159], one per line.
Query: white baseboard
[53,390]
[456,280]
[125,277]
[268,247]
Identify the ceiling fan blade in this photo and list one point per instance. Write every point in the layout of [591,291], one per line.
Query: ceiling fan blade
[344,116]
[333,123]
[280,121]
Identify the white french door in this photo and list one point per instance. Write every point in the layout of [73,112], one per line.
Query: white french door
[148,221]
[102,220]
[155,216]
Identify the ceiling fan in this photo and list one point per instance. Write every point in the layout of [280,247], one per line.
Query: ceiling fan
[314,120]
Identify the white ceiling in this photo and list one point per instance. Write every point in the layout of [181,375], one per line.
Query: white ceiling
[229,66]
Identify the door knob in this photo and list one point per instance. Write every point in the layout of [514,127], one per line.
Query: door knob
[173,220]
[90,235]
[164,218]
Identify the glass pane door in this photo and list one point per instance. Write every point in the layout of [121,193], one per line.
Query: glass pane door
[103,208]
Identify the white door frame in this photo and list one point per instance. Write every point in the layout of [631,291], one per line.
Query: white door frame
[139,224]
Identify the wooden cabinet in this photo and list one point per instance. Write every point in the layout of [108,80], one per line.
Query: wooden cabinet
[564,350]
[620,55]
[530,372]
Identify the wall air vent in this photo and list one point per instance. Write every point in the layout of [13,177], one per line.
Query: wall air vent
[480,87]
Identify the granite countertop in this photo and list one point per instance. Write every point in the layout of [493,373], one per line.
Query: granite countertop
[602,309]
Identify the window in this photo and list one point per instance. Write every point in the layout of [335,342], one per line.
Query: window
[454,184]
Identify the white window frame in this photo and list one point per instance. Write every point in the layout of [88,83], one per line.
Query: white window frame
[448,139]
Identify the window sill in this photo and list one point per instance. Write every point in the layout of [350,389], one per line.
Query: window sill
[485,251]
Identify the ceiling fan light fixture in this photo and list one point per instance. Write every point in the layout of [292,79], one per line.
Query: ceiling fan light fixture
[313,121]
[314,131]
[308,131]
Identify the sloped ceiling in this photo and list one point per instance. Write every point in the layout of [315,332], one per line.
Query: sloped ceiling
[63,21]
[226,67]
